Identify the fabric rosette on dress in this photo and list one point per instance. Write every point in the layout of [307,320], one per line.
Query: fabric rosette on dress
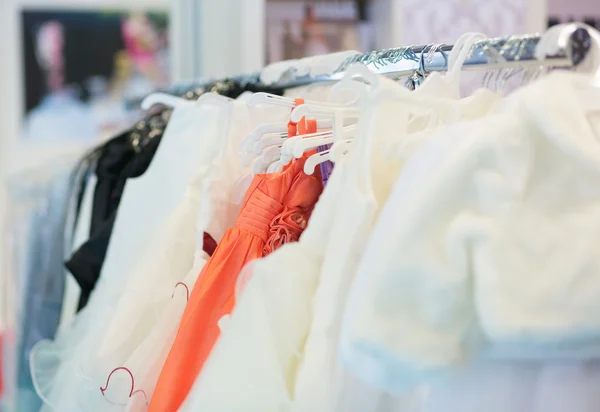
[285,228]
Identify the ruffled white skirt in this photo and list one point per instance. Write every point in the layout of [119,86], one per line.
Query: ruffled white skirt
[112,355]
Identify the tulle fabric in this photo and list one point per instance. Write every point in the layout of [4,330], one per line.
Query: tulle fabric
[55,367]
[125,330]
[103,384]
[149,357]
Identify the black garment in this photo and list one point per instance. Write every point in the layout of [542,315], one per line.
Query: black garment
[118,162]
[128,156]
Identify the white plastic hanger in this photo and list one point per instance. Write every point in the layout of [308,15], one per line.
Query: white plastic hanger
[288,148]
[347,83]
[261,163]
[307,144]
[359,80]
[315,160]
[261,98]
[340,149]
[263,144]
[248,142]
[334,154]
[451,78]
[338,132]
[257,142]
[275,167]
[310,110]
[247,159]
[296,147]
[163,99]
[214,98]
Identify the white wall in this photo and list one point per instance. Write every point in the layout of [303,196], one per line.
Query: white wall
[216,38]
[402,22]
[577,9]
[537,16]
[10,77]
[387,18]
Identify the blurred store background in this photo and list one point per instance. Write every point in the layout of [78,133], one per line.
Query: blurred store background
[80,66]
[76,63]
[70,69]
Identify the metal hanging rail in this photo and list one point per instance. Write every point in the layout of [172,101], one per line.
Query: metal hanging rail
[572,45]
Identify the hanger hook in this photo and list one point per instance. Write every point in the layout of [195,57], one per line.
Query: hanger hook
[421,73]
[422,70]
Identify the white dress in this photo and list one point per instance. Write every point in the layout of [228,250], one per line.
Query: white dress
[254,364]
[67,370]
[484,255]
[121,372]
[386,118]
[213,210]
[151,198]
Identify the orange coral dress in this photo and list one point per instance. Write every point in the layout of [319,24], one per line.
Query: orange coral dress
[276,210]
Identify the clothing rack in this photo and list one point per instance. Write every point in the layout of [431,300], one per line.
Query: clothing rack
[191,88]
[570,46]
